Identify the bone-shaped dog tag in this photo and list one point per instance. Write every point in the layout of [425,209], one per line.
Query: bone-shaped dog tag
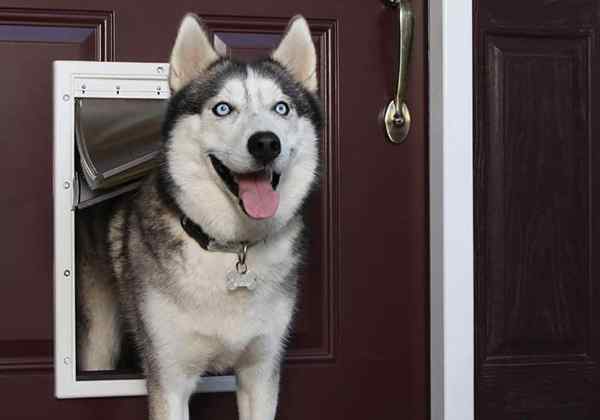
[236,280]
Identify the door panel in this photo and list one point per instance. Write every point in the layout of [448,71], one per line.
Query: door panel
[359,347]
[536,185]
[29,41]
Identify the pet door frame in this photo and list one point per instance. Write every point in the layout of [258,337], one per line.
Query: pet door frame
[89,79]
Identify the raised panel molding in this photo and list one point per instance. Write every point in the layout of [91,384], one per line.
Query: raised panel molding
[30,40]
[313,338]
[533,277]
[101,23]
[536,166]
[536,329]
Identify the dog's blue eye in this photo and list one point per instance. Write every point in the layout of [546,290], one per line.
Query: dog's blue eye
[281,108]
[222,109]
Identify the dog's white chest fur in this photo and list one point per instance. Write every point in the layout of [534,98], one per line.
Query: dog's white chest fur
[196,319]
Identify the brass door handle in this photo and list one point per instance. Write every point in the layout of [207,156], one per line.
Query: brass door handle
[397,115]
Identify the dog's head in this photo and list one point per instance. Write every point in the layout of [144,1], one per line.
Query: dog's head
[241,146]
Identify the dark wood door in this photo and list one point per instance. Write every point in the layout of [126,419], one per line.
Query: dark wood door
[537,188]
[359,348]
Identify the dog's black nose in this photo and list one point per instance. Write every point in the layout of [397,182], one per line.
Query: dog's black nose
[264,146]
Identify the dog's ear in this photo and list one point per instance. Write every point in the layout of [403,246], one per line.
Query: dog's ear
[296,52]
[192,53]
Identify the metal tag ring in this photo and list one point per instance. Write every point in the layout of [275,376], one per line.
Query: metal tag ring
[242,254]
[241,267]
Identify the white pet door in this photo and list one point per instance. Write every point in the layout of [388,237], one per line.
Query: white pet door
[107,119]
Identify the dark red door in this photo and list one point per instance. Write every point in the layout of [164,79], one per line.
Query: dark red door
[537,221]
[359,347]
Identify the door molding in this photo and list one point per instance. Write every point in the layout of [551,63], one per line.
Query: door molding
[451,209]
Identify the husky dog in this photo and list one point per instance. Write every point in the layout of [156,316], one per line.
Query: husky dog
[202,261]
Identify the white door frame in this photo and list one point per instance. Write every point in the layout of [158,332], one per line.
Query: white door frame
[451,209]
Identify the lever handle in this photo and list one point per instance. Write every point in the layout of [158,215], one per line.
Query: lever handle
[397,115]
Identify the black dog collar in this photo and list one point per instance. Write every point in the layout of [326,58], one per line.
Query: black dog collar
[207,243]
[196,233]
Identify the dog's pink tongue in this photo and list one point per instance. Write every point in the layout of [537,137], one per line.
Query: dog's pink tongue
[258,197]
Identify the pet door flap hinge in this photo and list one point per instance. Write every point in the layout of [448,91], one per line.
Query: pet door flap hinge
[76,190]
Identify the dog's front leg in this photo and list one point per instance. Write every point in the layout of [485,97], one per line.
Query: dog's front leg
[258,389]
[168,400]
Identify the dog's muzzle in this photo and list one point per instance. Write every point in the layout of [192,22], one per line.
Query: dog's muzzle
[256,191]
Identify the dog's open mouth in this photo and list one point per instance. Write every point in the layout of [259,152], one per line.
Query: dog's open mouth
[257,191]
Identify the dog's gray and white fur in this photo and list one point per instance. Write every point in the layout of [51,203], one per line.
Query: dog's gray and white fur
[170,291]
